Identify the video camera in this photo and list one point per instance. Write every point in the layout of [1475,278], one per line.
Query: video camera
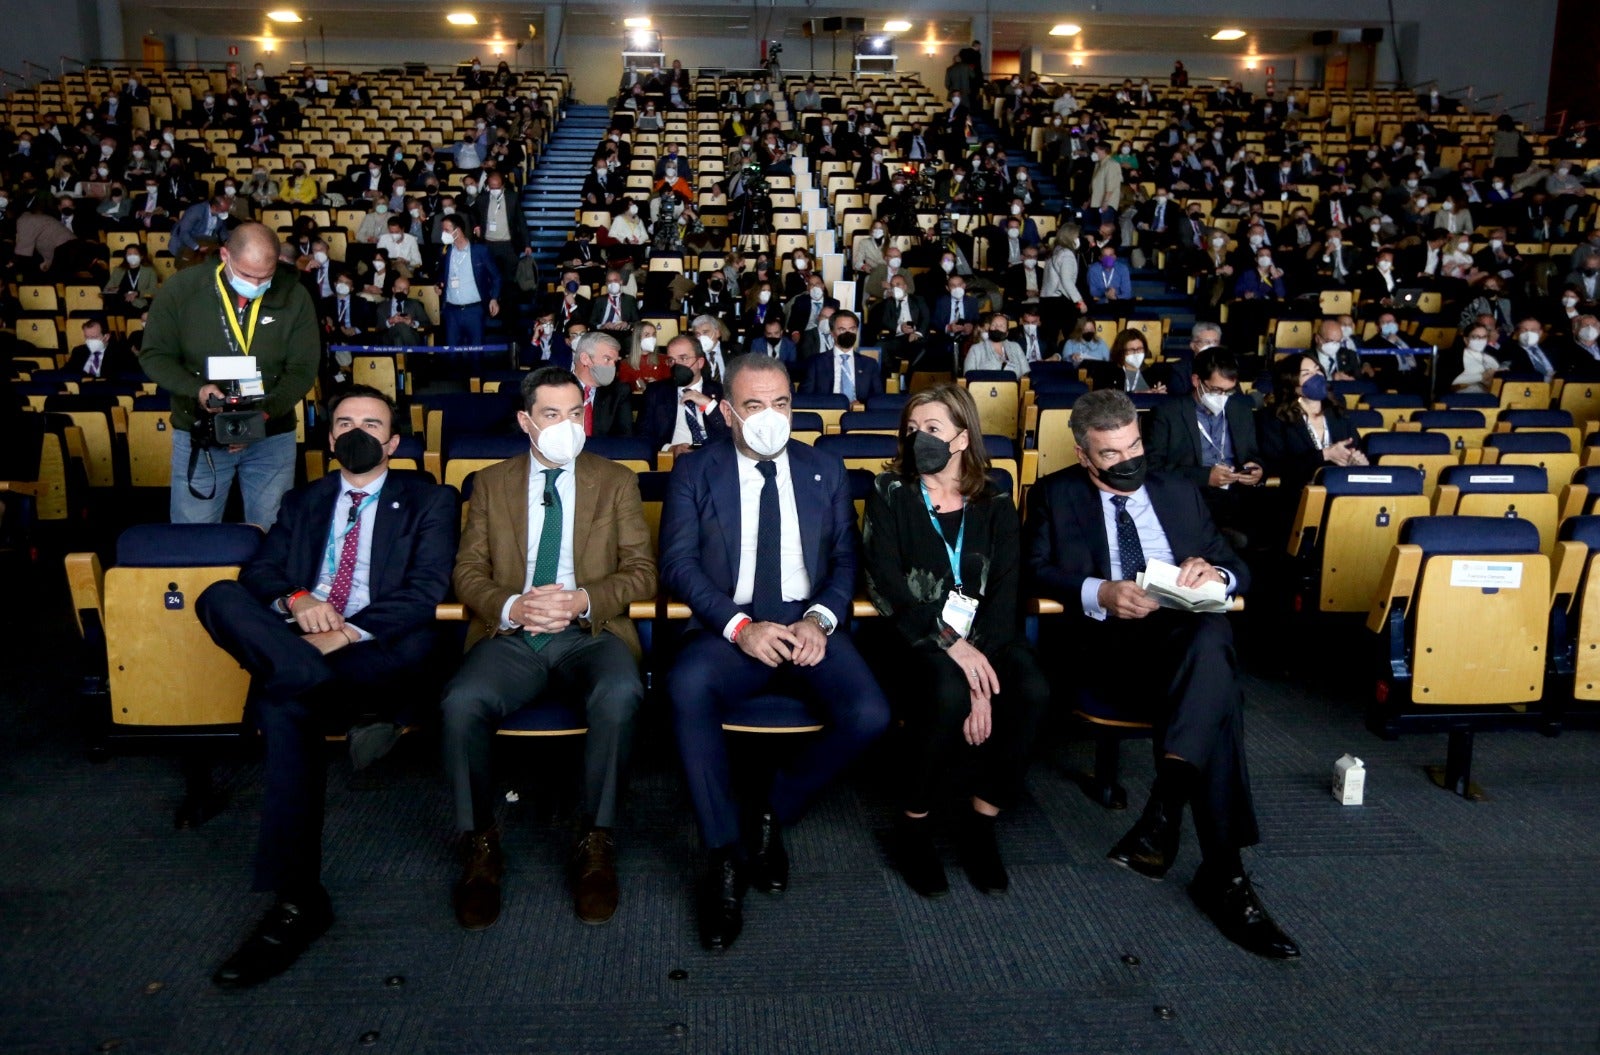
[239,417]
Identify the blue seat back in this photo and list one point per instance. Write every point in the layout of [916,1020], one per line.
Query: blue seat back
[805,421]
[858,420]
[819,401]
[480,446]
[1000,446]
[860,483]
[159,401]
[1380,444]
[187,545]
[1584,529]
[1364,419]
[976,377]
[1446,536]
[1537,419]
[1449,419]
[1530,442]
[1496,479]
[1370,480]
[1059,400]
[894,401]
[1470,401]
[622,448]
[859,445]
[1393,400]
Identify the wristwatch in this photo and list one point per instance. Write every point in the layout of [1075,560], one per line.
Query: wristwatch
[823,622]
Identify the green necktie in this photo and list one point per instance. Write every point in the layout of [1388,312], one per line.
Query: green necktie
[548,558]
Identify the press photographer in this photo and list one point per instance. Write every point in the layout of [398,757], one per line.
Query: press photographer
[247,306]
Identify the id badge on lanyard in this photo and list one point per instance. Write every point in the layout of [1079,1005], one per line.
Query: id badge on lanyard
[960,611]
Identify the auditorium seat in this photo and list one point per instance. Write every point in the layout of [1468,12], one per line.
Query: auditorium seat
[1511,492]
[1575,624]
[1427,451]
[997,394]
[1552,450]
[1467,429]
[1346,522]
[1462,612]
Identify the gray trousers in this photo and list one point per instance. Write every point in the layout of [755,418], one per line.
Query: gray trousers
[503,675]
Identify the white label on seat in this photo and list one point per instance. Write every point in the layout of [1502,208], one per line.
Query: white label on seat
[1475,478]
[1488,574]
[1370,478]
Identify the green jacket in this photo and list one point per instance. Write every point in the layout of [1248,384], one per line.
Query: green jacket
[186,327]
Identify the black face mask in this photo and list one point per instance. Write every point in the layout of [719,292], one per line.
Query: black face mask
[925,453]
[1126,476]
[682,376]
[997,336]
[358,451]
[845,340]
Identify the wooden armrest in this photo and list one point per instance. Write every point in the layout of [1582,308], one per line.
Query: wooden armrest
[642,610]
[1399,581]
[1573,498]
[455,612]
[1043,606]
[1569,560]
[86,581]
[1445,500]
[1272,481]
[22,487]
[1308,517]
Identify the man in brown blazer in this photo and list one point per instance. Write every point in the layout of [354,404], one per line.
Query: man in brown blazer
[555,549]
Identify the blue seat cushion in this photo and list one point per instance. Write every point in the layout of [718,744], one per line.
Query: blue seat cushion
[1497,479]
[187,545]
[1099,707]
[1443,536]
[546,716]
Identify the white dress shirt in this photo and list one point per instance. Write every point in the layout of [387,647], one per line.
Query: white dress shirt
[361,579]
[791,553]
[567,491]
[680,431]
[1152,539]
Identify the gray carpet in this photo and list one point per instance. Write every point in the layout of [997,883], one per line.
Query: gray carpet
[1429,924]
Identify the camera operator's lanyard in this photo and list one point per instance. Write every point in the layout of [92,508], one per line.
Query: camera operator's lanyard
[239,336]
[959,609]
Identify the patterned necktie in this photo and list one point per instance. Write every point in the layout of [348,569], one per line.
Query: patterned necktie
[344,575]
[697,434]
[548,556]
[1130,551]
[847,379]
[766,598]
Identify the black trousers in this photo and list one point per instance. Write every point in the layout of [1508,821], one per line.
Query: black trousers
[1179,671]
[296,693]
[935,703]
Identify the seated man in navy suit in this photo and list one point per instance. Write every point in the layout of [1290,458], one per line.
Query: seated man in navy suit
[758,536]
[844,371]
[333,617]
[1091,529]
[681,413]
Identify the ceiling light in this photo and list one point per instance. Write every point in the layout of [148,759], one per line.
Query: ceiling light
[461,18]
[636,23]
[1227,34]
[897,26]
[283,16]
[1066,29]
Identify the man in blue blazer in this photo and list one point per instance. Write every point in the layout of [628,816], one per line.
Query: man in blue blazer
[202,227]
[1109,279]
[844,370]
[758,537]
[682,412]
[1091,530]
[774,343]
[334,619]
[469,284]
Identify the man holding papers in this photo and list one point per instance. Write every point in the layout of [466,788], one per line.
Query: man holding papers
[1093,531]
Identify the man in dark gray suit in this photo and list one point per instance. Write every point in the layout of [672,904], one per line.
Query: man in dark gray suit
[1209,439]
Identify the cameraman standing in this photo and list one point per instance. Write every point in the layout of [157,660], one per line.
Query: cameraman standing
[246,306]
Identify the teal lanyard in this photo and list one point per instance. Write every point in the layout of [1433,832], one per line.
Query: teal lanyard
[330,554]
[954,552]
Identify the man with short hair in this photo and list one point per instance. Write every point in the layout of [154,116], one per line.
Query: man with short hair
[555,549]
[1210,440]
[100,355]
[247,305]
[758,537]
[707,333]
[845,372]
[1091,530]
[333,618]
[201,229]
[469,284]
[614,311]
[680,412]
[606,410]
[1387,359]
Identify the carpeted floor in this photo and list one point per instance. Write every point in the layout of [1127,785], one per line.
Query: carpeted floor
[1429,924]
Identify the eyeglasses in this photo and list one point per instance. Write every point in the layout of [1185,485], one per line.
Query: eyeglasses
[1212,390]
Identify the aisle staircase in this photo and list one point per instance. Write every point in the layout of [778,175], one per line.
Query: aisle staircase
[553,193]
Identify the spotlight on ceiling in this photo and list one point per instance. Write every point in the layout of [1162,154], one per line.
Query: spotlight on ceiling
[1227,34]
[897,26]
[1066,29]
[461,18]
[283,16]
[636,23]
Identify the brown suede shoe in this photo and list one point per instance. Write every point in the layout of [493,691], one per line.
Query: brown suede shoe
[594,876]
[477,893]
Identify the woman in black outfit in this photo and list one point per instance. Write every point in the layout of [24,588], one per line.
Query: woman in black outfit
[1302,428]
[970,684]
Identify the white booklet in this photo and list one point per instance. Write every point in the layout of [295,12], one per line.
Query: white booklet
[1160,580]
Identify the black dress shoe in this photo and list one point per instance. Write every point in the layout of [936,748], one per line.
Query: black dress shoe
[279,939]
[1151,845]
[370,741]
[477,893]
[769,862]
[594,876]
[1233,906]
[980,855]
[722,902]
[914,856]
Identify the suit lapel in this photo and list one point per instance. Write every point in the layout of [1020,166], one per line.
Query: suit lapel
[1095,527]
[809,503]
[1173,522]
[312,543]
[587,491]
[517,506]
[1191,419]
[724,473]
[390,513]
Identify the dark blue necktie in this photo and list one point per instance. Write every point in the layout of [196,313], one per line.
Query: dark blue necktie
[1130,551]
[766,599]
[697,435]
